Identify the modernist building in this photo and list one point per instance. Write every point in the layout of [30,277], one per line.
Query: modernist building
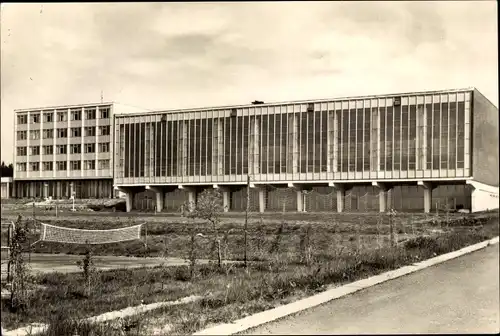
[404,143]
[63,151]
[6,187]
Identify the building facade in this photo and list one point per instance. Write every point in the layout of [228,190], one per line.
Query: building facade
[63,151]
[388,143]
[6,187]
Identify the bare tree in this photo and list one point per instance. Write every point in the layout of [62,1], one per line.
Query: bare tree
[208,207]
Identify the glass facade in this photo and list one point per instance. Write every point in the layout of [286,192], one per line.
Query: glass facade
[382,137]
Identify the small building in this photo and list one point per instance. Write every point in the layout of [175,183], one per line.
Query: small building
[6,187]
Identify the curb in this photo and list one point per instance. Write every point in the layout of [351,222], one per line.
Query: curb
[335,293]
[37,328]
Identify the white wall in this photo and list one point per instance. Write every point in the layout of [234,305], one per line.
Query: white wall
[484,197]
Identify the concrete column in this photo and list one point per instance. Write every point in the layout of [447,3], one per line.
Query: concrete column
[262,200]
[129,197]
[71,188]
[225,199]
[382,195]
[45,190]
[159,194]
[340,191]
[191,195]
[427,195]
[382,200]
[340,199]
[32,189]
[427,200]
[300,201]
[225,191]
[300,197]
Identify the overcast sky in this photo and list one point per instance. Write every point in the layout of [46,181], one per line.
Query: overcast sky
[179,55]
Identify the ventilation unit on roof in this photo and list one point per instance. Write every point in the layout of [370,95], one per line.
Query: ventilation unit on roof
[310,107]
[257,102]
[234,112]
[397,101]
[164,117]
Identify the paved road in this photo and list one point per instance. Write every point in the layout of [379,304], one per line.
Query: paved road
[65,263]
[458,296]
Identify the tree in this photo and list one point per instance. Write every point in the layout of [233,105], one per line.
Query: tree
[6,171]
[209,208]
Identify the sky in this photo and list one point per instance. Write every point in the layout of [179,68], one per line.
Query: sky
[181,55]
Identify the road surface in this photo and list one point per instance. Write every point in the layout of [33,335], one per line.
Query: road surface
[66,263]
[458,296]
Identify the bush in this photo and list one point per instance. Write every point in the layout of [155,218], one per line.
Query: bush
[428,243]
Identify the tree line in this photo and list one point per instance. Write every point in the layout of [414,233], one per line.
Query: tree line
[7,170]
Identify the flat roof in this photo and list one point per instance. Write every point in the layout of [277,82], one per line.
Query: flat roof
[194,109]
[61,107]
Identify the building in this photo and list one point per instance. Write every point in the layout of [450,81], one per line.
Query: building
[414,145]
[64,150]
[6,187]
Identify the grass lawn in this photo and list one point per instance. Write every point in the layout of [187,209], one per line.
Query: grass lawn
[283,267]
[170,236]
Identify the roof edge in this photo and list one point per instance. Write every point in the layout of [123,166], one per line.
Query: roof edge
[388,95]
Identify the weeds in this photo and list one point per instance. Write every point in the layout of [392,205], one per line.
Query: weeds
[87,266]
[305,246]
[233,291]
[21,278]
[275,246]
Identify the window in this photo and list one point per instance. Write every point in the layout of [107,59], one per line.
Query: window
[104,112]
[34,166]
[61,165]
[104,147]
[89,164]
[62,132]
[35,150]
[75,149]
[103,164]
[47,166]
[62,116]
[89,148]
[35,118]
[76,115]
[103,130]
[22,119]
[21,151]
[90,113]
[21,167]
[76,131]
[48,150]
[61,149]
[48,134]
[75,165]
[48,117]
[35,135]
[22,135]
[90,131]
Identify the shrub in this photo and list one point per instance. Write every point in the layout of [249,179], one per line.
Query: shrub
[422,242]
